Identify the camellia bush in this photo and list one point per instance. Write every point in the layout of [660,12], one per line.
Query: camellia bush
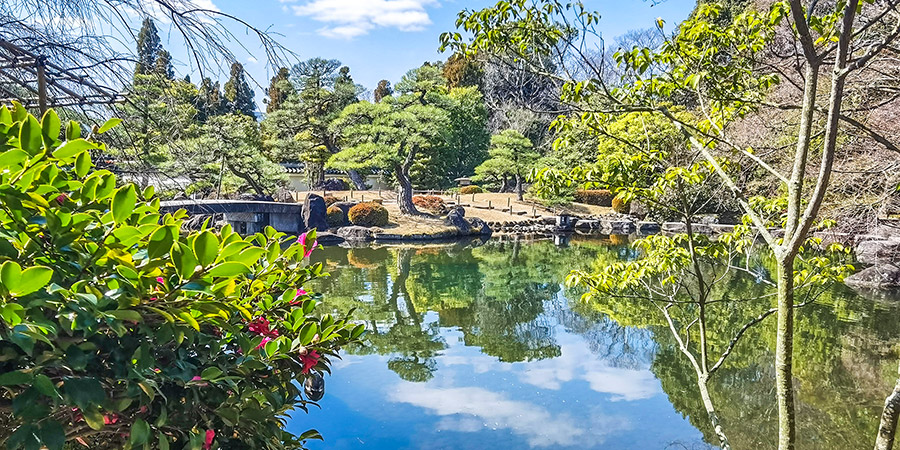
[117,330]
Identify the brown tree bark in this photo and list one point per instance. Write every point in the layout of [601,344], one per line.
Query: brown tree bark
[887,430]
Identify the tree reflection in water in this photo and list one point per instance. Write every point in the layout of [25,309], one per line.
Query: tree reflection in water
[506,299]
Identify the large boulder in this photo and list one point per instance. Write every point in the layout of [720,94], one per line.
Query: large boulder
[314,213]
[355,233]
[333,184]
[879,276]
[877,252]
[457,218]
[480,227]
[327,238]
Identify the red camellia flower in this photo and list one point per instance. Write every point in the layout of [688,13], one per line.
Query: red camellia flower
[307,250]
[309,360]
[210,436]
[260,326]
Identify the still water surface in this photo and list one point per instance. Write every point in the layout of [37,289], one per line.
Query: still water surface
[473,347]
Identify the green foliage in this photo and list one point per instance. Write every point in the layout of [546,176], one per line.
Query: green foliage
[368,215]
[148,48]
[119,330]
[238,94]
[280,88]
[335,216]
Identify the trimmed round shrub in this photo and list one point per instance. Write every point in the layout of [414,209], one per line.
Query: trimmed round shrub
[368,215]
[330,200]
[596,197]
[620,206]
[430,203]
[468,190]
[335,216]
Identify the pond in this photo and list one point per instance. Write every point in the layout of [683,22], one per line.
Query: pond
[472,347]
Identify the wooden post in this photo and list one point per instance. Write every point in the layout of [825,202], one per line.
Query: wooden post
[473,198]
[489,205]
[42,85]
[533,211]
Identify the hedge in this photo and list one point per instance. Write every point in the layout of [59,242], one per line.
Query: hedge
[620,206]
[597,197]
[431,203]
[472,189]
[335,216]
[368,215]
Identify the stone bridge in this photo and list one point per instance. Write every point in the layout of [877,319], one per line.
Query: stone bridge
[245,217]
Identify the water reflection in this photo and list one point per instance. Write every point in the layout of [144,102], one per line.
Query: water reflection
[481,347]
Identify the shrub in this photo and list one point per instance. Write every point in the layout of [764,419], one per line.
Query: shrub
[368,215]
[597,197]
[431,203]
[620,206]
[335,216]
[469,190]
[119,331]
[330,200]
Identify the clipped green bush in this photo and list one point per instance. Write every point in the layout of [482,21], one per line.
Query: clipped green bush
[368,215]
[469,190]
[335,216]
[597,197]
[119,331]
[620,206]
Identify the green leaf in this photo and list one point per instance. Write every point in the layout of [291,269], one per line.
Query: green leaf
[82,164]
[162,441]
[84,392]
[93,417]
[160,242]
[45,386]
[72,148]
[206,247]
[187,317]
[229,269]
[249,256]
[15,378]
[211,373]
[140,432]
[50,125]
[12,313]
[109,124]
[185,262]
[126,314]
[123,203]
[52,435]
[308,332]
[73,130]
[13,157]
[30,136]
[32,279]
[10,275]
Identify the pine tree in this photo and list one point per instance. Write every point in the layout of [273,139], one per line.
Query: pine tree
[383,90]
[163,66]
[209,100]
[238,94]
[280,88]
[148,48]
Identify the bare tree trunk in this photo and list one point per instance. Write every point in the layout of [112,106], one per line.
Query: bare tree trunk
[888,428]
[784,391]
[702,381]
[404,198]
[359,182]
[519,187]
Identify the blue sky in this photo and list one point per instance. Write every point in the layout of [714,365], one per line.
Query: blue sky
[382,39]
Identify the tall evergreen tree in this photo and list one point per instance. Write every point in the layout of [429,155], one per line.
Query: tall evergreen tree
[209,100]
[163,65]
[280,88]
[383,90]
[148,48]
[238,94]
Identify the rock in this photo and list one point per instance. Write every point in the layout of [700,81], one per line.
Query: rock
[877,252]
[333,184]
[479,227]
[457,218]
[283,196]
[648,227]
[327,238]
[880,276]
[587,224]
[674,227]
[314,213]
[256,198]
[355,233]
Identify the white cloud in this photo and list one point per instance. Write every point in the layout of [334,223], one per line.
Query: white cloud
[472,409]
[348,19]
[252,60]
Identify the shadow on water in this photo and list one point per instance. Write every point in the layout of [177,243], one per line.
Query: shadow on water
[471,344]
